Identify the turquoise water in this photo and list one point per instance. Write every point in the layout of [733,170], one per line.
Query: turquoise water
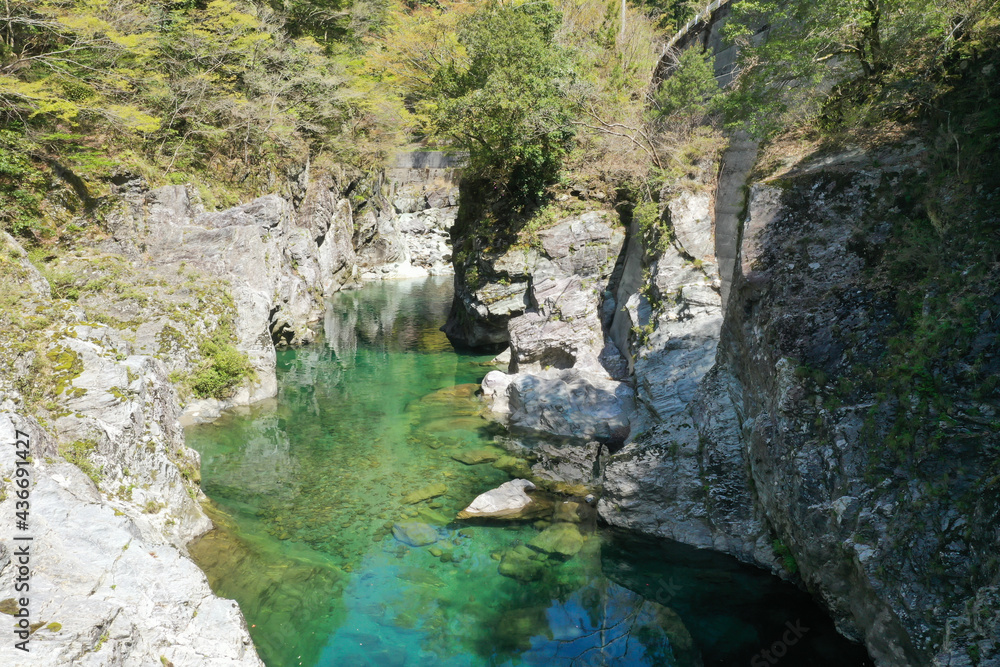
[307,488]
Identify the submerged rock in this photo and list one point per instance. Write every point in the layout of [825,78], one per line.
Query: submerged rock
[425,493]
[507,500]
[523,564]
[420,576]
[432,516]
[415,533]
[562,540]
[567,512]
[476,456]
[513,466]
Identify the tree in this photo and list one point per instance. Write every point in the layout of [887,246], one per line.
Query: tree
[814,45]
[689,88]
[506,102]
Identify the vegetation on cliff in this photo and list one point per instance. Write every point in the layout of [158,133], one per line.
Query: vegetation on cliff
[227,94]
[852,64]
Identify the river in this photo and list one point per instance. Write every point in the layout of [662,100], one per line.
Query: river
[306,489]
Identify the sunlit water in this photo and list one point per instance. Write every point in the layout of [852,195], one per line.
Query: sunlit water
[306,490]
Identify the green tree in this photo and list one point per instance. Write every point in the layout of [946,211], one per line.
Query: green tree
[506,103]
[886,48]
[689,89]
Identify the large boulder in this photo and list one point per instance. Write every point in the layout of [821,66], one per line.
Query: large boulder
[571,403]
[523,564]
[508,500]
[583,247]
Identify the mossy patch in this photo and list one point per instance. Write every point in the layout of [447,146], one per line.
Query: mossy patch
[65,365]
[78,453]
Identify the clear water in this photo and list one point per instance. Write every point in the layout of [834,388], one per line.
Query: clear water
[306,489]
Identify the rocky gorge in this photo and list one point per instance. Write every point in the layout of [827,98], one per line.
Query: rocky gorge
[731,411]
[104,368]
[720,286]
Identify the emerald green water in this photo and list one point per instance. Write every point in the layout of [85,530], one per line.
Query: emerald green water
[306,489]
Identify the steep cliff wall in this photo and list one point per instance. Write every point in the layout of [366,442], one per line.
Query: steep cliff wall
[813,452]
[828,411]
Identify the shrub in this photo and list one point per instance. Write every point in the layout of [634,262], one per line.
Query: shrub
[656,235]
[78,453]
[782,551]
[225,368]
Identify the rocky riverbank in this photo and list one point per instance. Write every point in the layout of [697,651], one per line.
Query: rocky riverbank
[117,342]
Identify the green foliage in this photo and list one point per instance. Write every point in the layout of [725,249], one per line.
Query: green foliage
[673,14]
[323,20]
[519,85]
[886,57]
[21,185]
[785,554]
[689,90]
[540,219]
[78,453]
[222,91]
[224,369]
[507,104]
[656,234]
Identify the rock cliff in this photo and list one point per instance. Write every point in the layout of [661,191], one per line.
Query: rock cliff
[834,421]
[787,458]
[95,352]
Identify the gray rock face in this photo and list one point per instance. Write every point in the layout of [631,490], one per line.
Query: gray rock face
[762,452]
[570,403]
[410,233]
[280,261]
[559,381]
[585,246]
[116,581]
[686,479]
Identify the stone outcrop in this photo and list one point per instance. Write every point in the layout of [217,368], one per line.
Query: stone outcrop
[562,402]
[562,372]
[111,583]
[508,500]
[669,322]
